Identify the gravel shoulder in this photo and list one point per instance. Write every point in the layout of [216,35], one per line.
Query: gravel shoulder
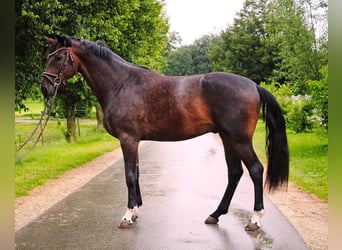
[308,214]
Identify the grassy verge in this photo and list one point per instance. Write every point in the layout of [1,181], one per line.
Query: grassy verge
[308,160]
[56,156]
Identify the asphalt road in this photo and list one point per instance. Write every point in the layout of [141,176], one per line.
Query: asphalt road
[182,183]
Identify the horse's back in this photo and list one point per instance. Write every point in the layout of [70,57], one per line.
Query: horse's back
[236,84]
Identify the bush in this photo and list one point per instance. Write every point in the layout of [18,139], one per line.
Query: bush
[300,117]
[319,93]
[298,110]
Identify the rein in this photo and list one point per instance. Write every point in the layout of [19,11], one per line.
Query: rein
[47,110]
[56,80]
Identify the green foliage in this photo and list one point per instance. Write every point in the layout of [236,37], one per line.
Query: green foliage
[136,30]
[319,94]
[180,62]
[308,112]
[190,60]
[298,110]
[299,118]
[244,47]
[298,59]
[272,41]
[34,20]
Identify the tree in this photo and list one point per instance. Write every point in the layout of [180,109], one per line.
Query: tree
[34,20]
[298,58]
[273,41]
[174,41]
[179,62]
[191,59]
[135,29]
[244,47]
[199,54]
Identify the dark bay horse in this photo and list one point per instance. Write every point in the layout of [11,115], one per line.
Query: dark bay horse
[140,104]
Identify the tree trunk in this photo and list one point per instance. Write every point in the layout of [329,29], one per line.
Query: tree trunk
[70,115]
[99,116]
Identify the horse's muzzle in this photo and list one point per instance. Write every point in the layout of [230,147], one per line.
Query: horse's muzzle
[47,90]
[44,91]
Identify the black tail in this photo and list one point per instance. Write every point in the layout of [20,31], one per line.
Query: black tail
[276,141]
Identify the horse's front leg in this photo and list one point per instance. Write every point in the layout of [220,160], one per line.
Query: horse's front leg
[129,148]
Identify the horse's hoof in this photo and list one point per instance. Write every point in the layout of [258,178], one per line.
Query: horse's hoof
[125,224]
[252,227]
[211,220]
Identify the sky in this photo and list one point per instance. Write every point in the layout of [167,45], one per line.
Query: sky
[194,18]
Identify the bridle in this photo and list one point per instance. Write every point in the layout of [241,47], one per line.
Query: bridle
[57,79]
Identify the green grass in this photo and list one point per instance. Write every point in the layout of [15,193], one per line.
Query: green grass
[34,107]
[309,163]
[56,156]
[308,160]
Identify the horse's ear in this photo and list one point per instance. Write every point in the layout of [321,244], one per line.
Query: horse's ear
[67,40]
[60,39]
[49,40]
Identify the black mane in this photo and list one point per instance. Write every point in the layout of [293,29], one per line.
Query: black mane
[101,50]
[97,48]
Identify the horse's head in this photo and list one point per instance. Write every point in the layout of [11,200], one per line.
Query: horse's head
[60,65]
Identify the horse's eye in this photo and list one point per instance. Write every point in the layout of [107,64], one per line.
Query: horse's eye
[59,58]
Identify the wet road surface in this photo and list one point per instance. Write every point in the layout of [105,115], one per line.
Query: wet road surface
[182,183]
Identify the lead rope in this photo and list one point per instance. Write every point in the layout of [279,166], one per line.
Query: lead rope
[47,107]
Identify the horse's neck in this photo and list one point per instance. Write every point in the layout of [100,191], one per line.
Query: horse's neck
[102,76]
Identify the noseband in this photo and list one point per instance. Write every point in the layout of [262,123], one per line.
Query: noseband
[57,79]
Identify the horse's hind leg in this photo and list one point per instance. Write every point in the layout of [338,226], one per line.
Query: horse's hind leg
[255,170]
[234,174]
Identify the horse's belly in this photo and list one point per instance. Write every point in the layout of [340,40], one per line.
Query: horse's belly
[178,131]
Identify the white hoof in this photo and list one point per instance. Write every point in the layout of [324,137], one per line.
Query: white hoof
[257,216]
[129,218]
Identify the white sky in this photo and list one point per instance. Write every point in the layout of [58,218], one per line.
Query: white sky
[194,18]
